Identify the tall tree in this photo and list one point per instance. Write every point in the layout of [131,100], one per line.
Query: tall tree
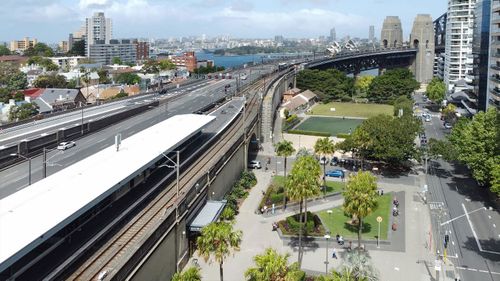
[284,149]
[218,239]
[436,90]
[23,111]
[117,60]
[403,103]
[191,274]
[477,143]
[40,49]
[78,48]
[449,113]
[151,66]
[330,84]
[362,84]
[128,78]
[303,183]
[271,266]
[50,81]
[11,77]
[360,198]
[4,51]
[324,147]
[392,84]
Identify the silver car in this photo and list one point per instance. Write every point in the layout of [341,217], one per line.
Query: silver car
[65,145]
[254,164]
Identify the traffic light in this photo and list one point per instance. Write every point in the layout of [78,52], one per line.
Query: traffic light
[446,240]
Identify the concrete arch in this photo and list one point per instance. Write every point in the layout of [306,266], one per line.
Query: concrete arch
[385,43]
[253,147]
[290,86]
[415,43]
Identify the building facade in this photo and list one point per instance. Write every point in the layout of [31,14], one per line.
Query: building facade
[458,47]
[124,49]
[22,45]
[188,60]
[67,62]
[142,50]
[333,34]
[371,34]
[493,93]
[98,30]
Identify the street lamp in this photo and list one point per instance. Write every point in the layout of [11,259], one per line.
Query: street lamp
[327,237]
[29,165]
[176,166]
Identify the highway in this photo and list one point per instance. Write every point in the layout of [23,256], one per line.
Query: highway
[460,208]
[16,177]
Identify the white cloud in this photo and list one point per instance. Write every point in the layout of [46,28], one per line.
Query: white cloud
[85,4]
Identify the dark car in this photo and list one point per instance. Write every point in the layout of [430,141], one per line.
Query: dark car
[334,161]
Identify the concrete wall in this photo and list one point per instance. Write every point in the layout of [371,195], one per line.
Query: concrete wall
[226,178]
[391,32]
[422,37]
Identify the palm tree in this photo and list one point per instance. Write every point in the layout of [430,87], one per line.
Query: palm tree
[346,274]
[324,147]
[359,267]
[271,266]
[217,239]
[284,149]
[301,184]
[360,198]
[191,274]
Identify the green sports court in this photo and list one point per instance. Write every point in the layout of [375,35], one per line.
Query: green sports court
[331,125]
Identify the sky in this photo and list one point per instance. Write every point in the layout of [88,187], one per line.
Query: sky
[51,21]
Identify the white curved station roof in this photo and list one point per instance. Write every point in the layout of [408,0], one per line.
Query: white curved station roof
[35,213]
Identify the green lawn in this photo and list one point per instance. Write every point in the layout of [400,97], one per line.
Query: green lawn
[275,193]
[331,125]
[338,223]
[363,110]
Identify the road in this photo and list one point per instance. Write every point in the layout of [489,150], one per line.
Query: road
[461,209]
[16,177]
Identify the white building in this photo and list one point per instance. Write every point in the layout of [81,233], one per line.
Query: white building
[459,31]
[99,30]
[67,62]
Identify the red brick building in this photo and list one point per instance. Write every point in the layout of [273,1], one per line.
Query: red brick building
[188,60]
[142,50]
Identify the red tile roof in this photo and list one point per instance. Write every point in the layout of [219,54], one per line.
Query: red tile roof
[33,92]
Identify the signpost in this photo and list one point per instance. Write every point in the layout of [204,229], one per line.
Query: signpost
[379,220]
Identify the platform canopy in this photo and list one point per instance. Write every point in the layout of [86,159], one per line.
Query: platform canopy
[210,213]
[34,214]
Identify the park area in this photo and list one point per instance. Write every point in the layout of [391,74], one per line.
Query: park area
[275,192]
[340,223]
[359,110]
[331,125]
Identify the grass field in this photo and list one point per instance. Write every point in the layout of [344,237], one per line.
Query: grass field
[337,222]
[331,125]
[363,110]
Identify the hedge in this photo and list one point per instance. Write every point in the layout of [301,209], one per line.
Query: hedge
[309,133]
[343,135]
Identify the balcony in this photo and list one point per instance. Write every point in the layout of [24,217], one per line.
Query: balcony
[495,78]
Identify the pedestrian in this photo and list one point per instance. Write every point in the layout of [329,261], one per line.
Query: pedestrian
[350,245]
[334,253]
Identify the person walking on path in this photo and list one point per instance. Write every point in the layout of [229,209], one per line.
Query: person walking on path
[334,253]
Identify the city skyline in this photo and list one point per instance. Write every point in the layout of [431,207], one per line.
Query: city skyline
[53,20]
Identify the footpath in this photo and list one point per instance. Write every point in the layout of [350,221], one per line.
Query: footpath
[412,260]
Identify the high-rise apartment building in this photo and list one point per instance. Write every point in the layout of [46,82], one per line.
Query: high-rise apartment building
[371,33]
[459,31]
[79,35]
[99,30]
[142,50]
[124,49]
[493,93]
[21,45]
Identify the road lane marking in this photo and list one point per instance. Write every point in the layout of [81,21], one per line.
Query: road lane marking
[477,270]
[494,225]
[489,217]
[475,235]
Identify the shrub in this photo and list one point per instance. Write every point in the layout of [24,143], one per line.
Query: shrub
[239,191]
[228,213]
[277,198]
[309,133]
[343,136]
[248,179]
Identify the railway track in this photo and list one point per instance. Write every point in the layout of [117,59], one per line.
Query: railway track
[121,245]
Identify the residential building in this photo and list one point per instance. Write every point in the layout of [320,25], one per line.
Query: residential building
[15,59]
[104,53]
[22,45]
[142,50]
[301,101]
[51,100]
[77,36]
[67,62]
[458,47]
[187,60]
[371,34]
[63,46]
[493,94]
[99,30]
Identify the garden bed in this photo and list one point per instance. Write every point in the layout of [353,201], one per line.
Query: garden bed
[291,226]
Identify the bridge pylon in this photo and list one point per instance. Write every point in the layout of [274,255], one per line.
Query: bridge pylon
[422,38]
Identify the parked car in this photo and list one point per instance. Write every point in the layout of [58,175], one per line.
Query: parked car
[254,164]
[447,125]
[334,161]
[335,173]
[65,145]
[323,160]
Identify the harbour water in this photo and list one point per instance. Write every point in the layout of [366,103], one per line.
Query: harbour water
[239,60]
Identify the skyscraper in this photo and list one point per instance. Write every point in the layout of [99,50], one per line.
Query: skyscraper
[333,34]
[371,33]
[459,31]
[98,30]
[493,93]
